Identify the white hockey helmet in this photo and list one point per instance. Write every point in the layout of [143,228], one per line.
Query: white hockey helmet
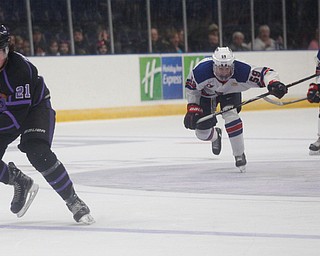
[223,66]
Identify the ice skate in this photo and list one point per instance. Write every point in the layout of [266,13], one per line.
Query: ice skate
[80,211]
[216,145]
[25,190]
[241,162]
[315,148]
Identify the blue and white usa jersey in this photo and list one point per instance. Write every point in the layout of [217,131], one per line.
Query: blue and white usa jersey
[201,82]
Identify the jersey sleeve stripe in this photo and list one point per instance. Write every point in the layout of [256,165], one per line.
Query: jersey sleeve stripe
[7,81]
[17,103]
[7,128]
[13,119]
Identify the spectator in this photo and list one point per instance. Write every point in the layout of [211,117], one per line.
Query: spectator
[213,28]
[13,41]
[53,49]
[102,47]
[64,48]
[26,49]
[81,46]
[263,42]
[181,39]
[102,37]
[158,45]
[314,43]
[39,51]
[238,42]
[39,41]
[174,42]
[103,34]
[212,42]
[18,43]
[21,45]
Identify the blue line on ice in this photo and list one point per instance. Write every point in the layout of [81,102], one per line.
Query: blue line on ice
[158,231]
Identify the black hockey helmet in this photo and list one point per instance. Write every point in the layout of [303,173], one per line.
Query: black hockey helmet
[4,37]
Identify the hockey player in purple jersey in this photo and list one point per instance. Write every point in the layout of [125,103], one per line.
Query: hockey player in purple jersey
[313,95]
[26,112]
[220,79]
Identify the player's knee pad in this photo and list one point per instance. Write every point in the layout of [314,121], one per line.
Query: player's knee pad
[39,154]
[233,123]
[204,134]
[230,116]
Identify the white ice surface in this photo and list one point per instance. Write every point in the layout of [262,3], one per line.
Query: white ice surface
[154,189]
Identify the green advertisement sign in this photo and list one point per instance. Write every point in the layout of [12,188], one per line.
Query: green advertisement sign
[150,78]
[189,62]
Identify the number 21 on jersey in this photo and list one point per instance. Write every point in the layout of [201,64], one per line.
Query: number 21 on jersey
[23,92]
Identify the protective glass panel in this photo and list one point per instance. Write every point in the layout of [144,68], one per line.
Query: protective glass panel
[202,21]
[268,25]
[49,26]
[302,23]
[13,15]
[130,26]
[166,18]
[236,24]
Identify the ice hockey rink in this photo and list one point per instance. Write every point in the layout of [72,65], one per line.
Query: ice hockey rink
[154,189]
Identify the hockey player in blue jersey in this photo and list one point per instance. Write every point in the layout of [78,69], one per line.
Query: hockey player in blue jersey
[220,79]
[313,95]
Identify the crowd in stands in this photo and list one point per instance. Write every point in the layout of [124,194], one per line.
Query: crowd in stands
[172,42]
[57,47]
[51,35]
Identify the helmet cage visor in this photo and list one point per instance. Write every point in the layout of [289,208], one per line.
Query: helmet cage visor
[223,72]
[223,63]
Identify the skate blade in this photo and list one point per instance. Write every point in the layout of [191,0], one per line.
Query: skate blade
[87,219]
[31,195]
[314,153]
[242,168]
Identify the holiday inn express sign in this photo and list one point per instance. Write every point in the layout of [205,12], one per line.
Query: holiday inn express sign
[162,78]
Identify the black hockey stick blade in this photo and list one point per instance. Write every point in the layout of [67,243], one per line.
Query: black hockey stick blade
[205,118]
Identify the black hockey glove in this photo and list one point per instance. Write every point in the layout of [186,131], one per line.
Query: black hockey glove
[314,93]
[194,113]
[277,89]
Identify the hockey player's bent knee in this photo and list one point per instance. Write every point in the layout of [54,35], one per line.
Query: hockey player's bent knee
[230,115]
[204,134]
[39,154]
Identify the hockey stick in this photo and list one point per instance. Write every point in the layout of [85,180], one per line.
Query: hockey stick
[205,118]
[283,103]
